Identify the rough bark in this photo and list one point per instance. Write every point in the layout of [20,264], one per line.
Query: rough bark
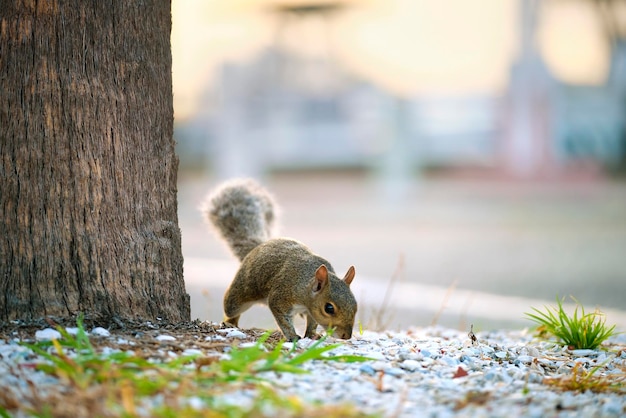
[88,211]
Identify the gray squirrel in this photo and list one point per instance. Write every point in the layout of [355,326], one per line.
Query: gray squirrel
[280,272]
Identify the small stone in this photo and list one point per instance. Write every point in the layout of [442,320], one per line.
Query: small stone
[165,338]
[225,330]
[304,342]
[108,351]
[394,371]
[196,403]
[492,375]
[100,332]
[450,361]
[367,369]
[248,344]
[583,352]
[531,351]
[410,365]
[379,365]
[612,408]
[236,334]
[47,334]
[376,355]
[470,351]
[72,330]
[214,338]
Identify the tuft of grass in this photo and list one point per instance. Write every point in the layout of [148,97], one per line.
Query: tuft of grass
[582,330]
[123,383]
[581,380]
[246,363]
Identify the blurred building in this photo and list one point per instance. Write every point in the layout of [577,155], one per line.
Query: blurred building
[286,111]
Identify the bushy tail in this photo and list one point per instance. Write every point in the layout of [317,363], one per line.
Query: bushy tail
[243,212]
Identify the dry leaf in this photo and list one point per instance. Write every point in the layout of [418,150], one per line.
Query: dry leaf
[460,372]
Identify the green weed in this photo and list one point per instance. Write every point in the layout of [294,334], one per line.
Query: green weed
[582,330]
[4,413]
[123,383]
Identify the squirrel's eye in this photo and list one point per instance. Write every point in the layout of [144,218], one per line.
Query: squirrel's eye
[329,309]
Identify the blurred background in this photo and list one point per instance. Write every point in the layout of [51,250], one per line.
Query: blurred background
[469,158]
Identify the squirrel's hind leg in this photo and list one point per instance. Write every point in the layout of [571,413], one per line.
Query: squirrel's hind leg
[231,322]
[233,308]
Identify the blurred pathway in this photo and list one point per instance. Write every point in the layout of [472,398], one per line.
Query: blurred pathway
[469,252]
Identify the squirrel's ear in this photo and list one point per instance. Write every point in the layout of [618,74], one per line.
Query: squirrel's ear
[349,275]
[321,278]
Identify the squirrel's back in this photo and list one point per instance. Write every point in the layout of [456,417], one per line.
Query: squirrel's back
[243,212]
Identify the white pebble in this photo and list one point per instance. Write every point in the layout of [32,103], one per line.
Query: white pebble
[236,334]
[196,403]
[449,360]
[394,371]
[47,334]
[376,355]
[72,330]
[248,344]
[192,352]
[425,353]
[367,369]
[108,351]
[410,365]
[225,330]
[613,408]
[304,342]
[165,338]
[583,352]
[214,338]
[100,332]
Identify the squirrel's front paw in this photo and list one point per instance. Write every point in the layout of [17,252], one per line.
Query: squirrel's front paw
[313,336]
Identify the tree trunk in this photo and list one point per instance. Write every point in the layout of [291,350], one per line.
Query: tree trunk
[88,212]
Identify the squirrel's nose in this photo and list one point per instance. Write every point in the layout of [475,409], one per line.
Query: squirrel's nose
[346,335]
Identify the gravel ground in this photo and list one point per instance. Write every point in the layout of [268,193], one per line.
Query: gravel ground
[429,372]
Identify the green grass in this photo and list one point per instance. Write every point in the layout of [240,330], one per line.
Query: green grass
[579,331]
[125,384]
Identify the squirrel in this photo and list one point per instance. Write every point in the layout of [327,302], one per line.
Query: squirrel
[280,272]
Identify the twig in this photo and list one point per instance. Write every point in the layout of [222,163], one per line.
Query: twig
[444,303]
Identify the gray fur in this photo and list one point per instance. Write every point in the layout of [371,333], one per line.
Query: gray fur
[243,213]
